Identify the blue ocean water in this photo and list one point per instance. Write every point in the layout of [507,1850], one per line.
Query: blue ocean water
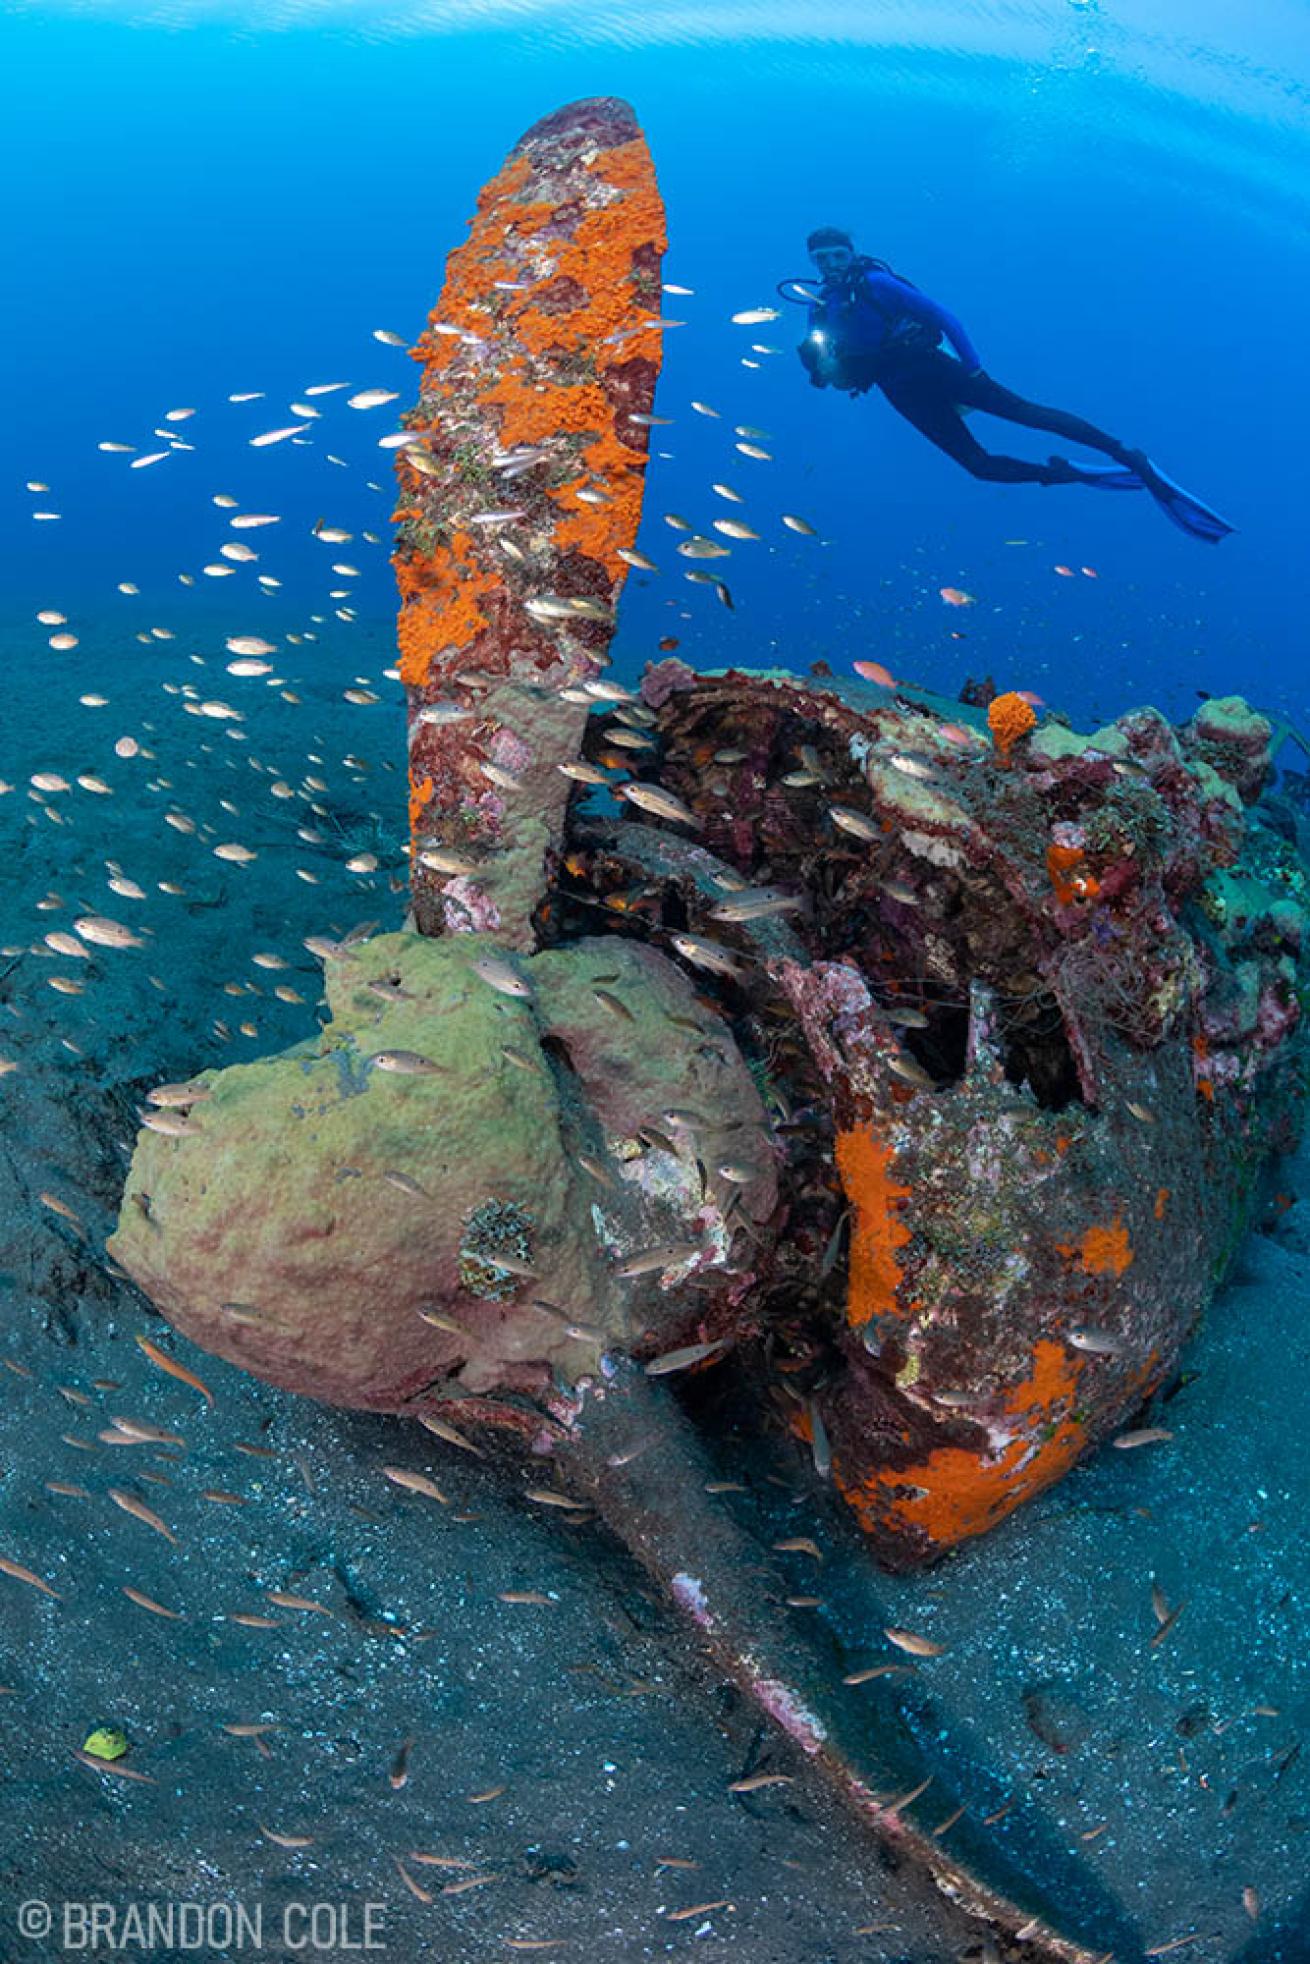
[1112,195]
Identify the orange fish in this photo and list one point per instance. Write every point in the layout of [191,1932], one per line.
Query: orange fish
[174,1369]
[667,641]
[955,596]
[873,671]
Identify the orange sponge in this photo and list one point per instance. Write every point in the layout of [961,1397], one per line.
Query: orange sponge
[1008,718]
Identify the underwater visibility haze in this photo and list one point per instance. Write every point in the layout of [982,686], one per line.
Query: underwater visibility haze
[652,1213]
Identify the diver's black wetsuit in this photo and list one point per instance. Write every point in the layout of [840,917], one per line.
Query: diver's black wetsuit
[874,330]
[929,389]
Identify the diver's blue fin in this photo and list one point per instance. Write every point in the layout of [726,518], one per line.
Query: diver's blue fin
[1109,477]
[1187,512]
[1101,477]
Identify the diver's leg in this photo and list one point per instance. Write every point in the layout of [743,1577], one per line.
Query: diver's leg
[923,397]
[1185,510]
[994,399]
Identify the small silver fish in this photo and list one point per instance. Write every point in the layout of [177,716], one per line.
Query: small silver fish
[1149,1435]
[661,803]
[512,1264]
[104,933]
[651,1259]
[442,859]
[176,1096]
[442,1429]
[438,714]
[442,1323]
[682,1360]
[1098,1343]
[404,1184]
[405,1063]
[503,780]
[756,904]
[590,1164]
[856,823]
[602,691]
[706,954]
[584,773]
[500,975]
[819,1442]
[144,1433]
[912,1072]
[833,1248]
[905,1019]
[548,607]
[916,1645]
[172,1125]
[614,1004]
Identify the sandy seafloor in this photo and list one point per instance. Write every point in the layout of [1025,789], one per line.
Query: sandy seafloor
[1157,1796]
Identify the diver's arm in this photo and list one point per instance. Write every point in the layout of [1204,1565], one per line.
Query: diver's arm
[895,295]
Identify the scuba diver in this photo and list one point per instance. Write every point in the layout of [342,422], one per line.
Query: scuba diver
[869,328]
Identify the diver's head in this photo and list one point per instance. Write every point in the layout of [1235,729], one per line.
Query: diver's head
[831,251]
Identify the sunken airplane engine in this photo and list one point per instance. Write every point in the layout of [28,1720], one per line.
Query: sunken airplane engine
[914,1061]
